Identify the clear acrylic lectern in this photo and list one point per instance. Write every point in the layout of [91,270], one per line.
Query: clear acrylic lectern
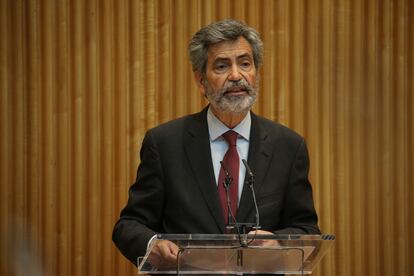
[241,254]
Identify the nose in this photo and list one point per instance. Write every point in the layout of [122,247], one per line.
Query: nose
[235,74]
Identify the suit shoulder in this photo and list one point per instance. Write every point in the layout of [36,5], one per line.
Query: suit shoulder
[277,130]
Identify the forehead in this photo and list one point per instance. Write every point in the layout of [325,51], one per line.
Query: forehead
[229,49]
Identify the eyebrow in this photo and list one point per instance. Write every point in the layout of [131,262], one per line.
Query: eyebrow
[245,55]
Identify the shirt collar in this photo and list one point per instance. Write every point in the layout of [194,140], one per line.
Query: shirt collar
[216,128]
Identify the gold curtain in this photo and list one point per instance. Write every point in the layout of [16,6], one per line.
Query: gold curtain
[81,82]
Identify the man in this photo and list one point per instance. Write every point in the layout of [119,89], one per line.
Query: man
[179,185]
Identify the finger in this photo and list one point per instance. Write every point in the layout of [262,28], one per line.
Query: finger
[173,248]
[168,251]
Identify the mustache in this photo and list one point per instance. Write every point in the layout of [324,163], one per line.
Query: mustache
[236,85]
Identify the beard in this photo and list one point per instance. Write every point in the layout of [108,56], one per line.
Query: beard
[228,103]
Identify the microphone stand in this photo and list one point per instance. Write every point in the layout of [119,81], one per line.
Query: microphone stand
[241,228]
[250,182]
[227,182]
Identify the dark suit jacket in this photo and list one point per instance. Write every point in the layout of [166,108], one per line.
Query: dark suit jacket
[176,192]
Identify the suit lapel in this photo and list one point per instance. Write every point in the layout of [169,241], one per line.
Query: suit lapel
[197,148]
[260,150]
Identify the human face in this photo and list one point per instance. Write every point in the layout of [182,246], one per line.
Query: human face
[230,78]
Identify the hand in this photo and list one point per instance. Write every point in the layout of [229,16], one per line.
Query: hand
[267,242]
[163,254]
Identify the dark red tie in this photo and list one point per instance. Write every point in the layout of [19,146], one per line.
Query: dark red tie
[231,164]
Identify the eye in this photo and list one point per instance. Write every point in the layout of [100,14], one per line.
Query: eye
[245,64]
[221,67]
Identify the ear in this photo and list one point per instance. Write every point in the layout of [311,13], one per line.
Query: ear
[199,77]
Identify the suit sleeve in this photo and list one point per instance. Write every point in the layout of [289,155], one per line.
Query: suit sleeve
[299,215]
[140,219]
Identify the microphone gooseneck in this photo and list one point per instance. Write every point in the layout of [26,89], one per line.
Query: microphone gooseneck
[250,182]
[228,179]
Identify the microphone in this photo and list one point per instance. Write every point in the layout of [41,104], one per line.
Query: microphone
[249,172]
[250,182]
[228,179]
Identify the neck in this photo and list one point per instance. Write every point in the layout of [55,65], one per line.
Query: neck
[231,120]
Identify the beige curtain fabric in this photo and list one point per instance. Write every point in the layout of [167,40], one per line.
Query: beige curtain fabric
[81,82]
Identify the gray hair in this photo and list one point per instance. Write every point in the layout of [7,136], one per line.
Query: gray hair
[224,30]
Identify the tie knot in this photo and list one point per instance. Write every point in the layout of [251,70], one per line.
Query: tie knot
[231,137]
